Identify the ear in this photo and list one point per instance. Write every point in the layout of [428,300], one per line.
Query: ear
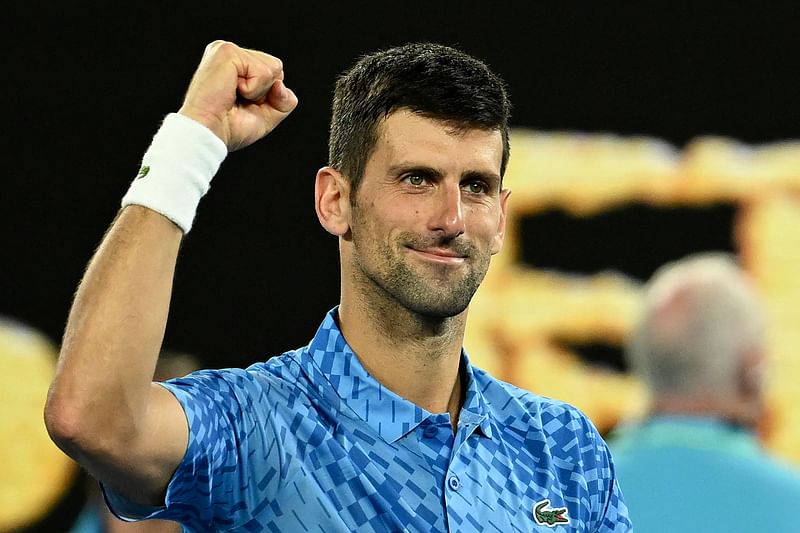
[332,200]
[497,242]
[754,412]
[751,374]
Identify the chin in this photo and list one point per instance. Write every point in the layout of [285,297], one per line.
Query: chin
[439,309]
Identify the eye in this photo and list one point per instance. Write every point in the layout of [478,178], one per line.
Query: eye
[416,180]
[477,187]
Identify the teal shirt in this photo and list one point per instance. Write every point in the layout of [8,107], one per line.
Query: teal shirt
[684,474]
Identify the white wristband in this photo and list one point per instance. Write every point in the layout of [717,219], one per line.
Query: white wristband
[177,170]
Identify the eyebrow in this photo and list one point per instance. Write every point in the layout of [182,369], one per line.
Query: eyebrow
[402,168]
[492,178]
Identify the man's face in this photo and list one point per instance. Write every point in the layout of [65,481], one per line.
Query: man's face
[428,214]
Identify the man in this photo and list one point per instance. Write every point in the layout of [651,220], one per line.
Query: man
[695,463]
[381,423]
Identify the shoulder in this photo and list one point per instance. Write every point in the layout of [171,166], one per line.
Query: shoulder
[767,471]
[276,379]
[559,443]
[520,408]
[553,433]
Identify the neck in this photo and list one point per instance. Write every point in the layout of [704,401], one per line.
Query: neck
[745,414]
[414,356]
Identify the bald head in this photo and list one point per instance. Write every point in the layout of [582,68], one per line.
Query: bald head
[700,332]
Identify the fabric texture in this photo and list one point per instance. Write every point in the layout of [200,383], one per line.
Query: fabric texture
[177,169]
[692,474]
[309,441]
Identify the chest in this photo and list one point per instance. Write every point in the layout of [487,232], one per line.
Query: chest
[428,480]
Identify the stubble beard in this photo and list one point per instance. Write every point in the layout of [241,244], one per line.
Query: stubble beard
[430,291]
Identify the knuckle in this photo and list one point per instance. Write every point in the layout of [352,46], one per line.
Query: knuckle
[213,45]
[272,63]
[220,48]
[227,48]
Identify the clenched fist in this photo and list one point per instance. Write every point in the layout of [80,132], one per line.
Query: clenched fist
[238,94]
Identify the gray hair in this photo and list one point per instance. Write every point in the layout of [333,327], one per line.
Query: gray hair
[700,317]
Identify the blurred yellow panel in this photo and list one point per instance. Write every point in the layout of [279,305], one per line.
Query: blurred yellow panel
[34,472]
[521,314]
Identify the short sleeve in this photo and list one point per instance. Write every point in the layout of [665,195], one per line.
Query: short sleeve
[232,460]
[615,518]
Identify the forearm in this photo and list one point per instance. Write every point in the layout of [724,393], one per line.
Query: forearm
[114,332]
[102,408]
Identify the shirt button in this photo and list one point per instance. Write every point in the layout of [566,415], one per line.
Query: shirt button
[430,432]
[454,483]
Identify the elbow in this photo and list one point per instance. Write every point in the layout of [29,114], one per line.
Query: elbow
[63,423]
[71,415]
[72,426]
[83,430]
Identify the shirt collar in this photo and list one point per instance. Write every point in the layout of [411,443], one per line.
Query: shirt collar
[389,414]
[689,432]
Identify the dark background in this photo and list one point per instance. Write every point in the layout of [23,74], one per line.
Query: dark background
[85,86]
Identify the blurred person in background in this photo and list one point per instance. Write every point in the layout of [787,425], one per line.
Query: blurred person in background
[695,462]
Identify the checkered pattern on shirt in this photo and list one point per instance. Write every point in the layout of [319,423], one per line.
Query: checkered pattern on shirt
[309,441]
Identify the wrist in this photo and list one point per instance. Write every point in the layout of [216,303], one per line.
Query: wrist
[210,121]
[177,169]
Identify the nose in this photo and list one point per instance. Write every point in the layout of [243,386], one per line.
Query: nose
[448,212]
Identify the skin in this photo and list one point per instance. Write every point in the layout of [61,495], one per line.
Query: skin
[742,402]
[415,243]
[676,301]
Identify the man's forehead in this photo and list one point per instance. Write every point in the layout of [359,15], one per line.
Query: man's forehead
[405,130]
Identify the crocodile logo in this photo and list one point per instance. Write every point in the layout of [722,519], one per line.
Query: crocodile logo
[142,172]
[549,517]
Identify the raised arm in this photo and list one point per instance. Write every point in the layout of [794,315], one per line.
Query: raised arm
[102,408]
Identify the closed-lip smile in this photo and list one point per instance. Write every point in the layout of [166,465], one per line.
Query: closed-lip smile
[440,255]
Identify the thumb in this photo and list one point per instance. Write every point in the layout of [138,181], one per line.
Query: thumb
[281,97]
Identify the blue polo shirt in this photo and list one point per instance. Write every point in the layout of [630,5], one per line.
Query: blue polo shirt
[310,441]
[699,474]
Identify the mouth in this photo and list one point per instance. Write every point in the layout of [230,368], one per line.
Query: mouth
[440,255]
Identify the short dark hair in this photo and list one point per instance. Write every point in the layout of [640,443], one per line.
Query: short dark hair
[431,79]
